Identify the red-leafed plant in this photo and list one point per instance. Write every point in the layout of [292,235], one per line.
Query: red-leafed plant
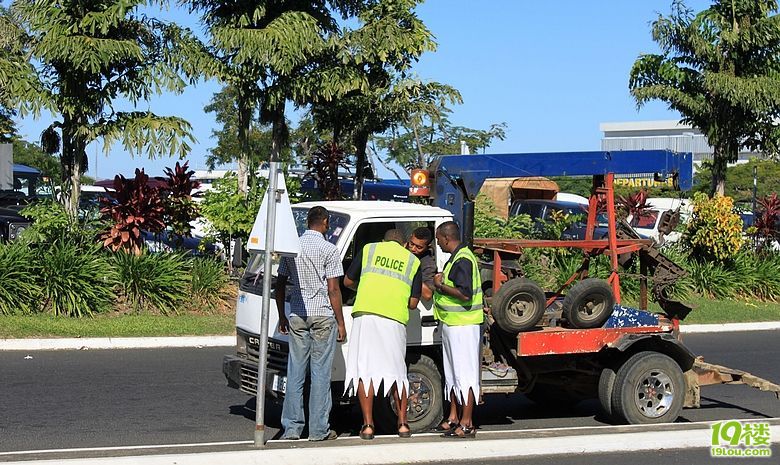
[135,206]
[633,204]
[768,218]
[323,167]
[180,208]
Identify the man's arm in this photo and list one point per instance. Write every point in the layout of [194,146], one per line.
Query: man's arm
[460,274]
[428,267]
[334,294]
[352,276]
[333,272]
[417,284]
[427,292]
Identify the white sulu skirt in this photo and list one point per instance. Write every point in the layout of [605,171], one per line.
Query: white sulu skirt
[461,347]
[377,354]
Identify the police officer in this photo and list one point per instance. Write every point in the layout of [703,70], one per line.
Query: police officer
[389,284]
[458,307]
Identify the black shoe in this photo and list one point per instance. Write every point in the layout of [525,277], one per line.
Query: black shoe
[364,435]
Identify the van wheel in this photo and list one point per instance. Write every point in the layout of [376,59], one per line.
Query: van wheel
[649,388]
[426,398]
[588,304]
[606,387]
[518,305]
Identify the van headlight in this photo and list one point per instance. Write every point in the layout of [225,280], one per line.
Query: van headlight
[16,229]
[241,345]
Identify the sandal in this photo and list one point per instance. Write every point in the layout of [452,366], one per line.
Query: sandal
[450,426]
[404,434]
[465,432]
[364,435]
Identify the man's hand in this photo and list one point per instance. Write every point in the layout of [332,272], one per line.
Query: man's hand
[342,335]
[284,325]
[437,279]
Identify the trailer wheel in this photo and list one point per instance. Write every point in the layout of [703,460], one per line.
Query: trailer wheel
[426,398]
[518,305]
[606,387]
[588,304]
[649,388]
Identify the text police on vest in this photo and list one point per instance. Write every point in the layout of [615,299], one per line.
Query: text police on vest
[385,262]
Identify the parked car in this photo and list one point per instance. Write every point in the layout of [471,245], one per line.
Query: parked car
[542,211]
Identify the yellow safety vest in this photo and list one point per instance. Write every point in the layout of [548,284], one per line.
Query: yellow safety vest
[386,281]
[455,312]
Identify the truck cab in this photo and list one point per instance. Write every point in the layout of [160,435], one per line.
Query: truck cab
[352,225]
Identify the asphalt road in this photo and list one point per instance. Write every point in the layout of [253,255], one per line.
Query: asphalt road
[75,399]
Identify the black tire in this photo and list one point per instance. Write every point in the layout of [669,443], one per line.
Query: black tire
[588,304]
[649,388]
[606,387]
[518,305]
[426,398]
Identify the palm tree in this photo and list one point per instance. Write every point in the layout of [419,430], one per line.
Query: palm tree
[720,69]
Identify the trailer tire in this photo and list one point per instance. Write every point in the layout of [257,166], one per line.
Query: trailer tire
[518,305]
[649,388]
[426,398]
[588,304]
[606,387]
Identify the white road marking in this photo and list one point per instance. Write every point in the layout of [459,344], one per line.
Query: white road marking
[628,438]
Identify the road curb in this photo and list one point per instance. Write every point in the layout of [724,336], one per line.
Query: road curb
[386,450]
[729,327]
[116,343]
[228,341]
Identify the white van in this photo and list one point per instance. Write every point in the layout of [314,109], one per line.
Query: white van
[648,222]
[352,225]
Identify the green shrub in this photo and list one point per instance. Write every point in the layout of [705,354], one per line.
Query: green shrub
[208,280]
[76,281]
[19,290]
[488,224]
[159,281]
[712,279]
[714,230]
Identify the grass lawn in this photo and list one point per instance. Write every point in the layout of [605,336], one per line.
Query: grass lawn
[113,325]
[726,311]
[134,325]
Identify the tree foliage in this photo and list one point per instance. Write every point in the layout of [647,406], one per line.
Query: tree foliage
[720,69]
[80,57]
[740,186]
[414,143]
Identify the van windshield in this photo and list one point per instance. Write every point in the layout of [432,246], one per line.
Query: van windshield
[338,221]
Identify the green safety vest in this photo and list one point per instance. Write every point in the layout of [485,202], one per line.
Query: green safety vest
[386,281]
[455,312]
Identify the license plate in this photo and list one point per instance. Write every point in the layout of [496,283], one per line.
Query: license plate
[279,384]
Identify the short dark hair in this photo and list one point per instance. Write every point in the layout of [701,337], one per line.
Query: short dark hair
[316,215]
[450,230]
[423,233]
[394,235]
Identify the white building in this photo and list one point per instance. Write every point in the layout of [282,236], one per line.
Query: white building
[658,135]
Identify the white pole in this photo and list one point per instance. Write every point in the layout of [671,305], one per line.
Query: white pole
[274,196]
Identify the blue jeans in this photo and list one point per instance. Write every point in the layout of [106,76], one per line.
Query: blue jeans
[312,346]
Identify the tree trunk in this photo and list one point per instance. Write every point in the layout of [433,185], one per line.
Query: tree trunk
[245,112]
[361,142]
[719,164]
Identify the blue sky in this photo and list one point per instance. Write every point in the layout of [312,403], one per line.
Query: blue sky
[551,70]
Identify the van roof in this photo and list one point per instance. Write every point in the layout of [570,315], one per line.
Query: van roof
[377,207]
